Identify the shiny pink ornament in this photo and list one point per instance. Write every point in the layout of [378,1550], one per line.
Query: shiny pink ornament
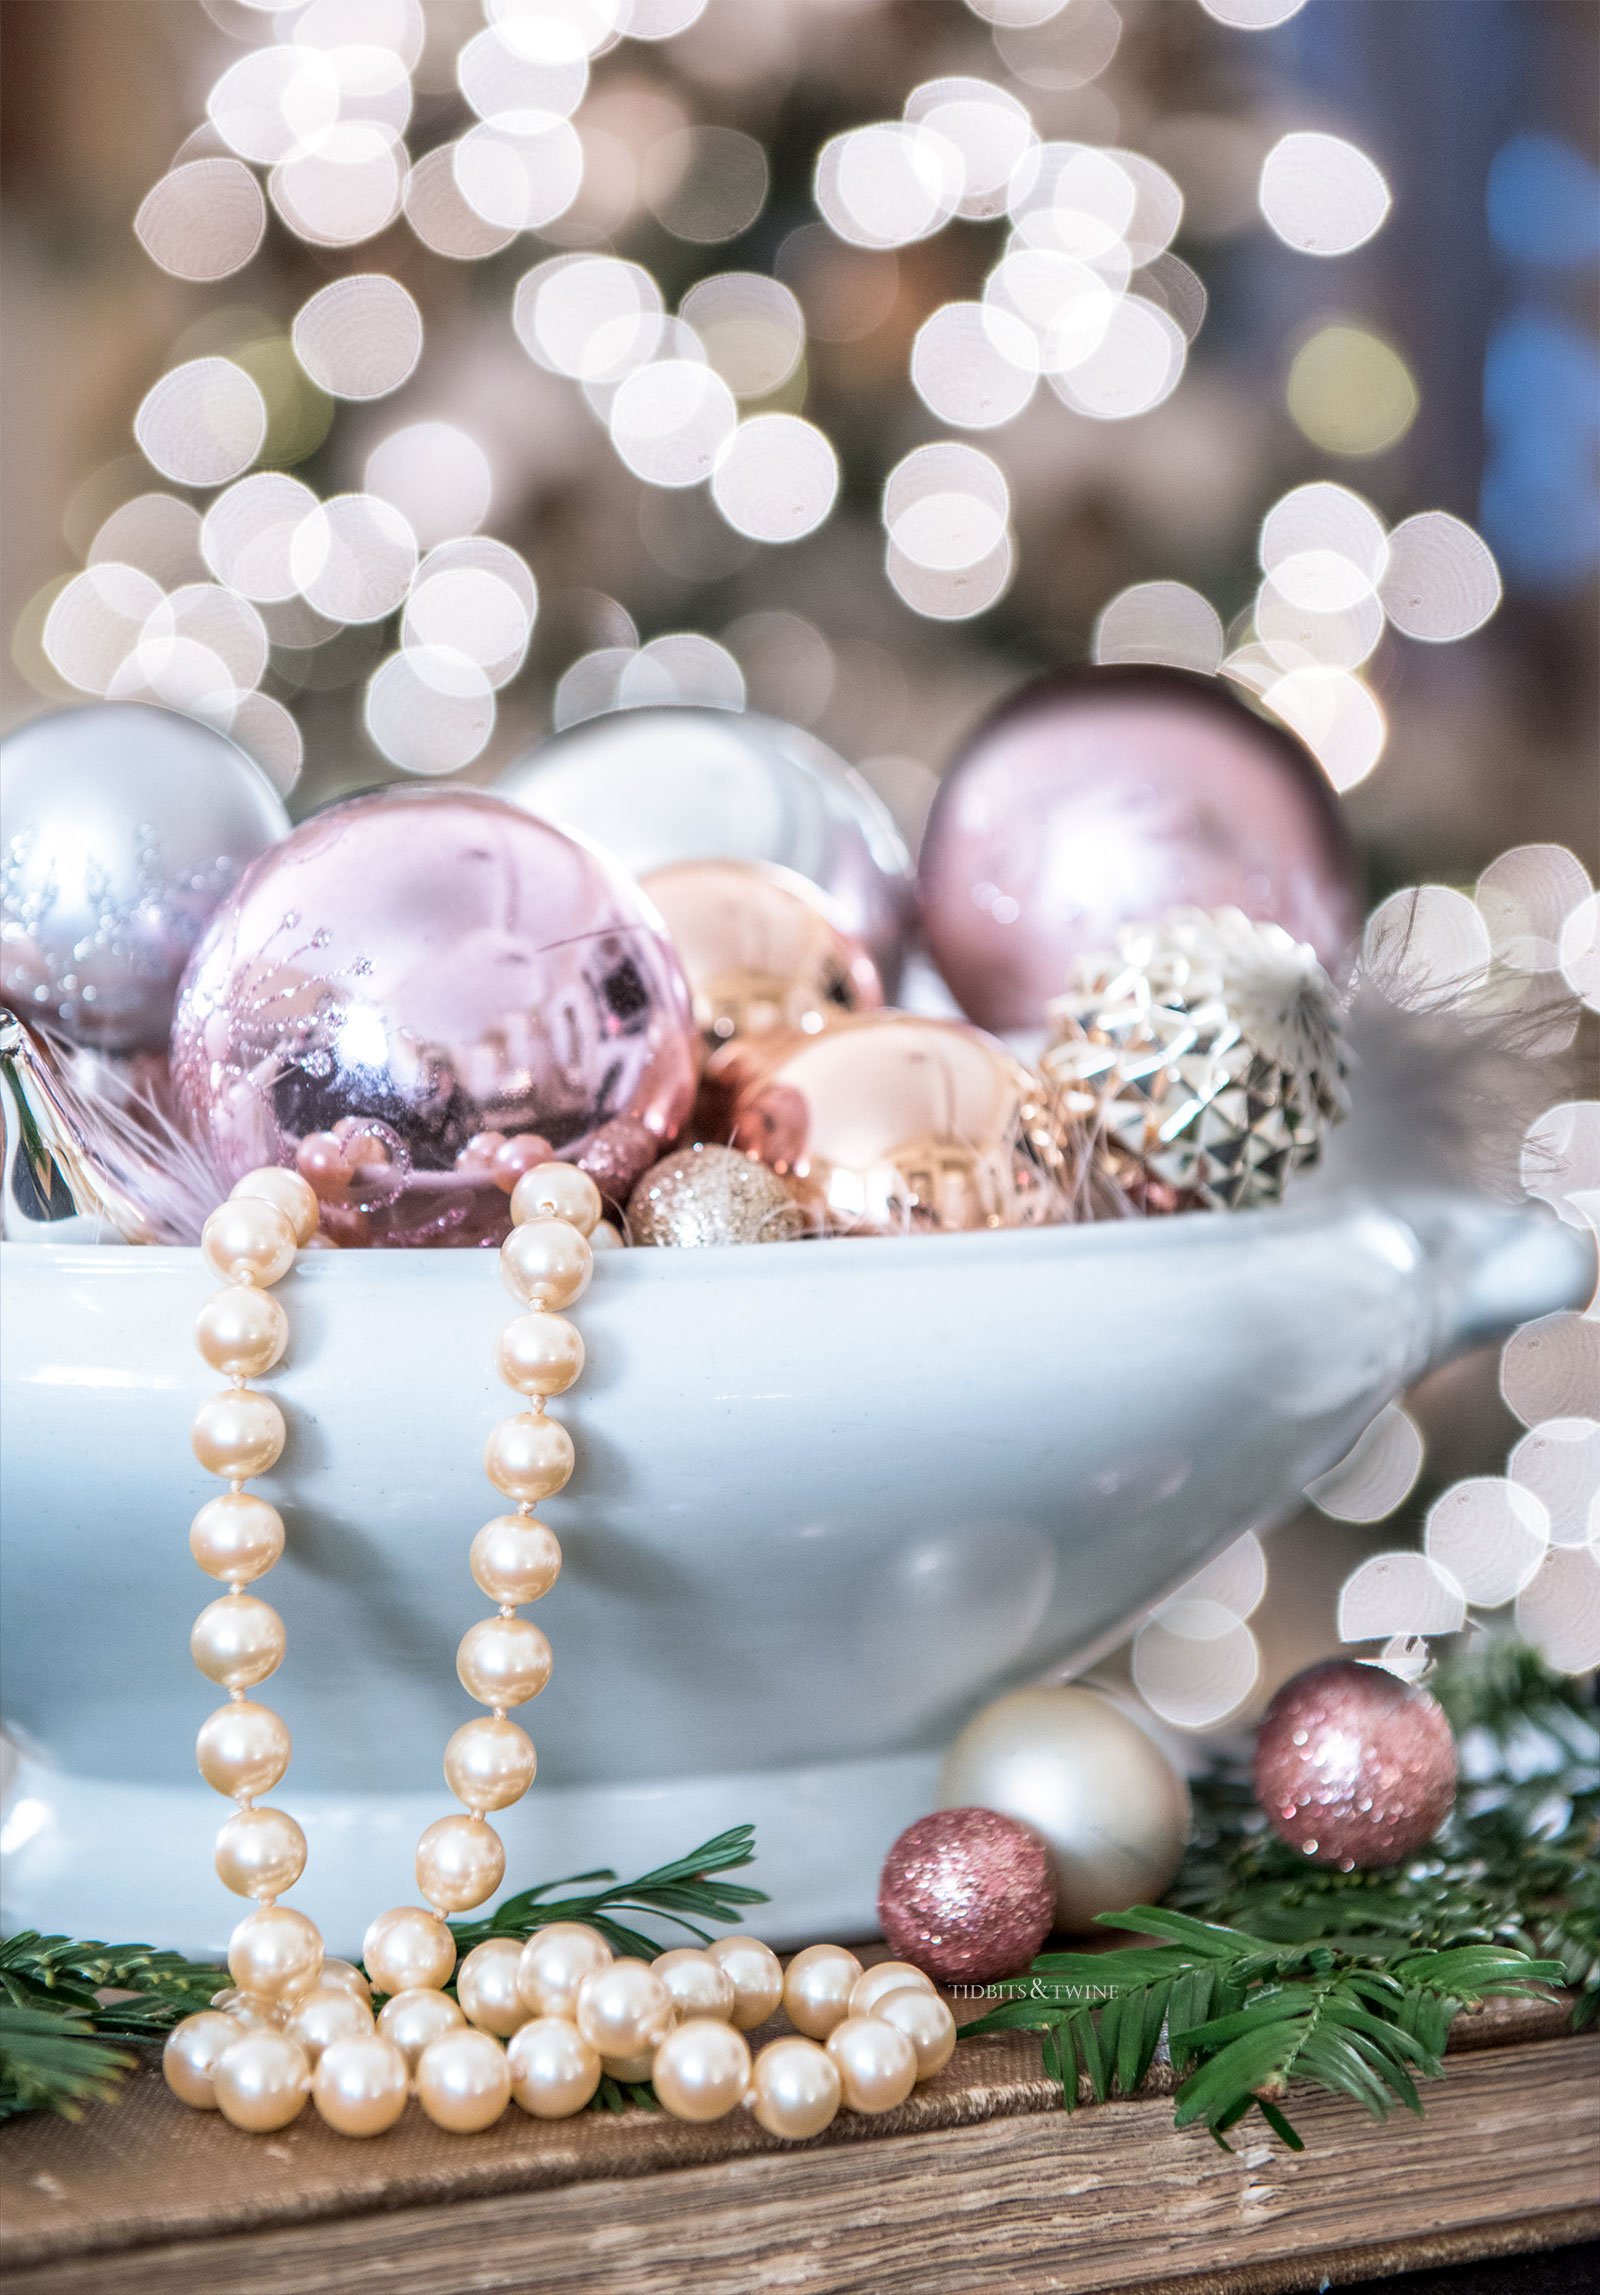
[1354,1767]
[411,985]
[1104,797]
[966,1895]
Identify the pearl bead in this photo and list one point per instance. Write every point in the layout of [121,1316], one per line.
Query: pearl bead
[276,1952]
[325,2014]
[464,2081]
[539,1354]
[515,1558]
[816,1988]
[348,1977]
[248,2007]
[247,1242]
[877,2064]
[414,2020]
[756,1975]
[460,1862]
[606,1238]
[926,2022]
[408,1950]
[237,1641]
[361,2085]
[287,1192]
[557,1191]
[237,1536]
[630,2070]
[625,2009]
[528,1457]
[191,2053]
[242,1749]
[554,2071]
[795,2089]
[515,1156]
[261,1853]
[261,2082]
[241,1332]
[320,1160]
[884,1976]
[238,1433]
[489,1763]
[486,1986]
[546,1264]
[555,1961]
[697,1985]
[701,2070]
[503,1661]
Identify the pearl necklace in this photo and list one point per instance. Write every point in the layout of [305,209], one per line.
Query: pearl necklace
[536,2022]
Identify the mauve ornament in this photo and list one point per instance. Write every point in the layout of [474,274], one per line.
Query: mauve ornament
[1097,798]
[121,828]
[679,784]
[967,1895]
[1355,1767]
[413,989]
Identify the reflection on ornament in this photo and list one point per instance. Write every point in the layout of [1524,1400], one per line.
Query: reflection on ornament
[888,1124]
[1198,1067]
[760,949]
[706,1195]
[1106,1800]
[1098,797]
[121,828]
[677,784]
[967,1894]
[1353,1767]
[412,973]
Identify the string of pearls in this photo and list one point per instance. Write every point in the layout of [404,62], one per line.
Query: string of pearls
[538,2022]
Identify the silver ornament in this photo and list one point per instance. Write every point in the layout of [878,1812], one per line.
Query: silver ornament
[678,784]
[1196,1067]
[121,828]
[1111,1807]
[706,1195]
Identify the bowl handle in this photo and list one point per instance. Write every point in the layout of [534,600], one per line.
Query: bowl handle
[1495,1267]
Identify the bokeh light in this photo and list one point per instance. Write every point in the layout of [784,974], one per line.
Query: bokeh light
[1322,195]
[1351,392]
[1160,622]
[1442,582]
[436,475]
[353,557]
[1378,1475]
[204,220]
[888,184]
[361,337]
[202,423]
[247,534]
[1430,941]
[776,478]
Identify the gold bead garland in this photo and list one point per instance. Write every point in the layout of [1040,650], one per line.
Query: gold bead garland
[538,2022]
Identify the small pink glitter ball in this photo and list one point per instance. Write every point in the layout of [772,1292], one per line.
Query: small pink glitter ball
[1354,1767]
[967,1894]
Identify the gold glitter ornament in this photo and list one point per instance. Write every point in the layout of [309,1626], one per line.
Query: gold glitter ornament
[708,1195]
[1196,1067]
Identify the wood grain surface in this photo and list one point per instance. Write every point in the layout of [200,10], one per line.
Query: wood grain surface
[980,2182]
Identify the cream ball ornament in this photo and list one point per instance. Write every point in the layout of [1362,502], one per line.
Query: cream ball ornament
[413,2020]
[503,1661]
[557,1191]
[191,2055]
[926,2022]
[515,1558]
[242,1332]
[795,2089]
[237,1537]
[701,2070]
[261,2082]
[486,1986]
[275,1952]
[464,2081]
[327,2013]
[697,1985]
[461,1861]
[489,1763]
[882,1978]
[756,1974]
[408,1949]
[242,1749]
[554,2071]
[237,1641]
[546,1263]
[817,1985]
[555,1962]
[877,2064]
[262,1853]
[361,2085]
[1070,1763]
[247,1241]
[624,2010]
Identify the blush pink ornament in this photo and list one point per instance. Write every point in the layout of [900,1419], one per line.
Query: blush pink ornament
[967,1895]
[408,986]
[1355,1767]
[1104,797]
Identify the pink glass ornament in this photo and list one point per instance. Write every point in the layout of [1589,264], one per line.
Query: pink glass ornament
[409,985]
[1355,1767]
[967,1895]
[1104,797]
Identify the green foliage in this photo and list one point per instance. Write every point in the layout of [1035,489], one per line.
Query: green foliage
[58,2036]
[684,1893]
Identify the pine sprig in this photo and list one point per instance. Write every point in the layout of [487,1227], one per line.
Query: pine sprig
[57,2034]
[683,1893]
